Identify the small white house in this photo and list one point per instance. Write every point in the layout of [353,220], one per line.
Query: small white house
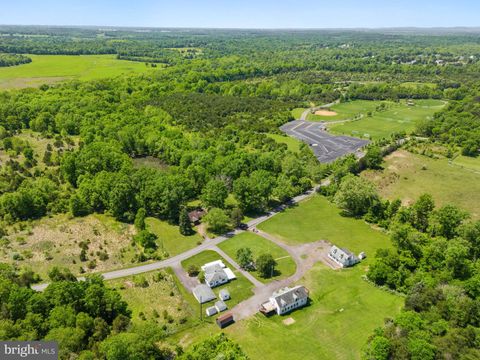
[343,257]
[224,295]
[211,266]
[216,278]
[212,310]
[286,300]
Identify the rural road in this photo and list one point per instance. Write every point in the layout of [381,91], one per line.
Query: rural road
[209,244]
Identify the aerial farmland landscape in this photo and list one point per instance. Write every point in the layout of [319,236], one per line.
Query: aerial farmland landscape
[240,180]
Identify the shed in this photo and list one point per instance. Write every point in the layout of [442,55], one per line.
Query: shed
[224,294]
[220,306]
[212,310]
[224,320]
[203,293]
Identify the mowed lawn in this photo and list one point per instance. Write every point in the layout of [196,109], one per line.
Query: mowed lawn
[343,313]
[53,68]
[397,118]
[318,219]
[240,289]
[259,245]
[169,237]
[348,110]
[406,176]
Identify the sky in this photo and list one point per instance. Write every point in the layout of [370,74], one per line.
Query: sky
[244,13]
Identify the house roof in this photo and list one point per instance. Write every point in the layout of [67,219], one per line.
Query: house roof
[196,215]
[230,274]
[218,275]
[203,293]
[225,318]
[341,254]
[224,292]
[287,296]
[212,266]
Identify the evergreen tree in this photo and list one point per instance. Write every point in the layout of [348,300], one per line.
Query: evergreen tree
[184,223]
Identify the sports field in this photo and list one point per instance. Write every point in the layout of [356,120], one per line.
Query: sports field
[318,219]
[406,176]
[397,117]
[285,264]
[47,69]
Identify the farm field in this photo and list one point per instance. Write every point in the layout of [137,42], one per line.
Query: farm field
[286,266]
[240,289]
[406,176]
[169,237]
[343,312]
[56,241]
[47,69]
[318,219]
[154,298]
[292,143]
[397,117]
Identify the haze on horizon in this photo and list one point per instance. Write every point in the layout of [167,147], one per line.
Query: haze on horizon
[244,14]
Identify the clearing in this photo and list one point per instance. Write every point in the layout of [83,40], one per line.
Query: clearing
[318,219]
[55,241]
[292,144]
[47,69]
[406,176]
[259,245]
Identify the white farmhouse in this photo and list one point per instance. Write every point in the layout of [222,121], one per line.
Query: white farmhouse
[342,257]
[286,300]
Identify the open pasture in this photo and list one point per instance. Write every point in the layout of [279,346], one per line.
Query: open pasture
[406,176]
[47,69]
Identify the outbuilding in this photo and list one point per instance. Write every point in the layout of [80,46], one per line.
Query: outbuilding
[224,320]
[224,295]
[212,310]
[220,306]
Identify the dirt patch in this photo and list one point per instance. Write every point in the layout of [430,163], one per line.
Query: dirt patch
[289,321]
[325,112]
[129,284]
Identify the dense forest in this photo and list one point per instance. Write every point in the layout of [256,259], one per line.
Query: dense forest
[13,59]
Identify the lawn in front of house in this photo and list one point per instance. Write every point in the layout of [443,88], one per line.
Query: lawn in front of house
[318,219]
[343,312]
[259,245]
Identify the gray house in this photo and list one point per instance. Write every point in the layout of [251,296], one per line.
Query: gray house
[203,294]
[343,257]
[216,278]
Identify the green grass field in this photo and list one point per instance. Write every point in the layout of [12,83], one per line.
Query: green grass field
[348,110]
[407,176]
[344,311]
[398,117]
[292,143]
[153,300]
[259,245]
[297,112]
[53,68]
[169,237]
[240,289]
[468,163]
[318,219]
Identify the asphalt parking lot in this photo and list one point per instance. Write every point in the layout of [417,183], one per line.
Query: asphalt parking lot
[325,146]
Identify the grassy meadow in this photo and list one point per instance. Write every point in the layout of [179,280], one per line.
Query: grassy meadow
[407,176]
[158,300]
[292,143]
[286,266]
[397,117]
[46,69]
[318,219]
